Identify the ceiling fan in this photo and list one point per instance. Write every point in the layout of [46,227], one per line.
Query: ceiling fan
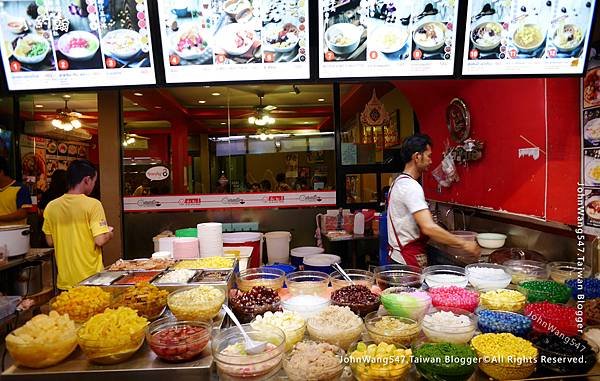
[261,115]
[68,119]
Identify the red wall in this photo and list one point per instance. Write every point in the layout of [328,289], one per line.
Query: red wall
[158,147]
[501,112]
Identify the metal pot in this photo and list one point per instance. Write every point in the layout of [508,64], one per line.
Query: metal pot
[16,239]
[28,280]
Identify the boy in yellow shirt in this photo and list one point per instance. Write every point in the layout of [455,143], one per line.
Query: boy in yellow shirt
[75,225]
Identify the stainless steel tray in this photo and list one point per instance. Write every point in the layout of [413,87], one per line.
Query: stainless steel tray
[144,365]
[113,274]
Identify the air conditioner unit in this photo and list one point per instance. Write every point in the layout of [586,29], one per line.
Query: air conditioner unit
[46,129]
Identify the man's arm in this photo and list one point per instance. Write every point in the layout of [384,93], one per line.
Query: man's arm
[49,240]
[102,239]
[440,235]
[15,216]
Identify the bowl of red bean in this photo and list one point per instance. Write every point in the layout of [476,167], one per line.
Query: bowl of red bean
[174,340]
[256,301]
[358,298]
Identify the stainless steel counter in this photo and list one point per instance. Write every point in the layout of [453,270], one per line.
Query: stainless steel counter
[143,365]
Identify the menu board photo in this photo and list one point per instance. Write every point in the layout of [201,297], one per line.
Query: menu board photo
[391,38]
[54,44]
[514,37]
[234,40]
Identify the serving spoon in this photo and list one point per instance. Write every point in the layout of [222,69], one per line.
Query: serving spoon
[339,268]
[487,10]
[253,347]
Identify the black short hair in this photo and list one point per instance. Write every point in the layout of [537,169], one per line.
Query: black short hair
[413,144]
[280,177]
[78,170]
[4,165]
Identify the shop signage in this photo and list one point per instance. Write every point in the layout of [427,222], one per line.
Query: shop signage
[518,37]
[218,201]
[60,44]
[157,173]
[395,38]
[234,40]
[589,195]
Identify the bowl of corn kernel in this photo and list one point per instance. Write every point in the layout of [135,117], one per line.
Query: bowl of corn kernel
[81,303]
[112,336]
[504,356]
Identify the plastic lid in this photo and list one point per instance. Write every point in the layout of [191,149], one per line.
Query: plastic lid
[322,260]
[303,251]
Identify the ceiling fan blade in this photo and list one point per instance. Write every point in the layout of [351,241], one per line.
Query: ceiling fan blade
[87,117]
[74,114]
[269,108]
[283,112]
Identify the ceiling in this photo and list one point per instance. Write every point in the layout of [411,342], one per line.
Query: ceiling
[217,110]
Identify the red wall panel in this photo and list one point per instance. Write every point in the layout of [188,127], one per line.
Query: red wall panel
[507,115]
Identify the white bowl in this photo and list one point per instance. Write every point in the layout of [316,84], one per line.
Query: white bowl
[488,42]
[228,39]
[31,39]
[530,47]
[567,29]
[79,53]
[427,43]
[122,43]
[389,39]
[189,53]
[343,38]
[491,240]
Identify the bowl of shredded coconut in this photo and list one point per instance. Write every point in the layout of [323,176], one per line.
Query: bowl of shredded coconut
[314,361]
[335,325]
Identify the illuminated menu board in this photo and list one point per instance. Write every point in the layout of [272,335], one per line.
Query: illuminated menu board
[513,37]
[392,38]
[234,40]
[55,44]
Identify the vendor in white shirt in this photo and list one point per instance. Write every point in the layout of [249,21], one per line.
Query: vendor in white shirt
[409,220]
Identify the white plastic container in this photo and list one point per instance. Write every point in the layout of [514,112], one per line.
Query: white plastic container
[247,239]
[162,255]
[242,253]
[321,262]
[278,246]
[298,254]
[210,239]
[186,248]
[359,223]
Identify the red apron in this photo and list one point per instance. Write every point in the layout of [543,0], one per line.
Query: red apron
[414,252]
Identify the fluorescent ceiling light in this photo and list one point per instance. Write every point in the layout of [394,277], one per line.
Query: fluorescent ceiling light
[138,94]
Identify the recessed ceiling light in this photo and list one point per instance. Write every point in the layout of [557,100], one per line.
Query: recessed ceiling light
[206,87]
[305,123]
[216,94]
[157,107]
[223,123]
[138,94]
[321,99]
[202,101]
[39,106]
[67,96]
[135,104]
[291,92]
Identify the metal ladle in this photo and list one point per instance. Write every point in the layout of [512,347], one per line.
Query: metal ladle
[339,268]
[253,347]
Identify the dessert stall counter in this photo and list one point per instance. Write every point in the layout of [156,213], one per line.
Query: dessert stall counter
[485,321]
